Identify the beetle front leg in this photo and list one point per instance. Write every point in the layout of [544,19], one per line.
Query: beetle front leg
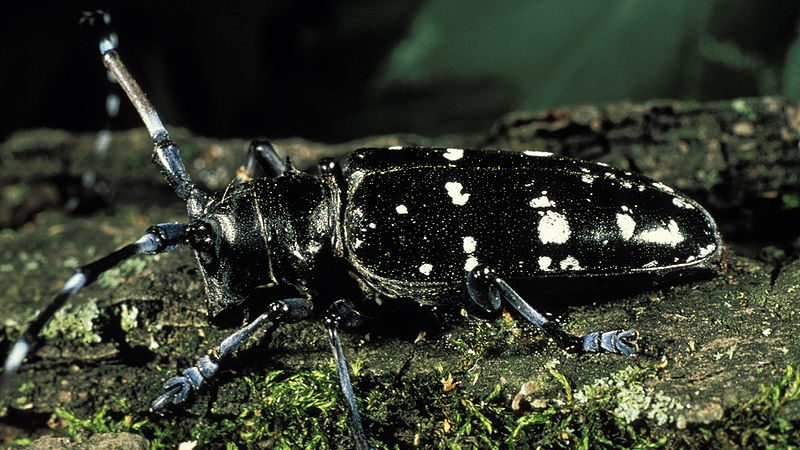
[341,313]
[177,389]
[487,290]
[262,161]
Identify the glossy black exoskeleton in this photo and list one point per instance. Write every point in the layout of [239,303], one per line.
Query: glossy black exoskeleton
[437,226]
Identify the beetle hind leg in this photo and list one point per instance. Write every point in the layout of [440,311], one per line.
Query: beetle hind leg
[487,290]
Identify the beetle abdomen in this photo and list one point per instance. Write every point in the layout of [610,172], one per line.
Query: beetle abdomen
[428,216]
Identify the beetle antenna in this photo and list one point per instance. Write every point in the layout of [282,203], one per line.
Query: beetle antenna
[166,154]
[159,238]
[101,21]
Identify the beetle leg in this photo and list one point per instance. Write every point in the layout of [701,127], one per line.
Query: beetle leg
[177,389]
[159,238]
[341,313]
[262,162]
[487,289]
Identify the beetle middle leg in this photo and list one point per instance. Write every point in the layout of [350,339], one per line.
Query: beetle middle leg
[342,314]
[487,289]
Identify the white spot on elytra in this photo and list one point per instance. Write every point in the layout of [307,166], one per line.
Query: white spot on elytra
[454,154]
[570,263]
[358,243]
[469,244]
[652,263]
[626,225]
[544,263]
[396,147]
[401,209]
[454,191]
[671,235]
[625,208]
[681,203]
[426,269]
[372,225]
[535,153]
[663,187]
[553,228]
[707,250]
[542,202]
[471,263]
[587,179]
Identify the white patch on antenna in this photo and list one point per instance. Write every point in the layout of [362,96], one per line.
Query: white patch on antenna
[15,357]
[74,283]
[454,191]
[554,228]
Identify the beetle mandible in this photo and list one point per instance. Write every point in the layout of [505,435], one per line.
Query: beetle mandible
[435,225]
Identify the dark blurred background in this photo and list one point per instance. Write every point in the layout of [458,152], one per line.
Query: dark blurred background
[333,71]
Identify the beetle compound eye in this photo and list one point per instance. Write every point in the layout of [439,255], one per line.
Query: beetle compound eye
[200,236]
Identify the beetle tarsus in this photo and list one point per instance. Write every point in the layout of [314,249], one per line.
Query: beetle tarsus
[487,290]
[616,341]
[341,313]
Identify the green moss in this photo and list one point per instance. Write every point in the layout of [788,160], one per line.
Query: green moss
[759,423]
[744,109]
[303,410]
[633,400]
[113,278]
[74,323]
[791,201]
[128,317]
[482,337]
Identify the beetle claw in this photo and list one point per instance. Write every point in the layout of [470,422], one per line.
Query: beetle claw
[176,390]
[625,342]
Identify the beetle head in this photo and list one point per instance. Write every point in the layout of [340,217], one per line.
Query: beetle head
[231,250]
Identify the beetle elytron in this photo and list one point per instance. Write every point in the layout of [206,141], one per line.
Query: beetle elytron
[434,225]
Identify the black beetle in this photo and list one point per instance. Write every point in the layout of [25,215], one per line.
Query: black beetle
[433,225]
